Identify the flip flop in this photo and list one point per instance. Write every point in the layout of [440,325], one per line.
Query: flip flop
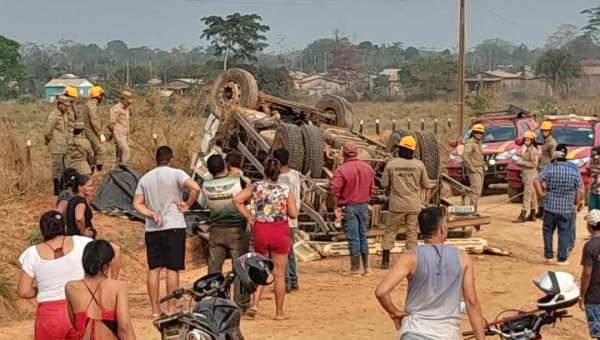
[282,318]
[251,313]
[162,314]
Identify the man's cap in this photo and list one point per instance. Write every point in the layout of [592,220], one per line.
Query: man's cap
[127,95]
[408,142]
[558,154]
[593,217]
[349,149]
[64,100]
[79,125]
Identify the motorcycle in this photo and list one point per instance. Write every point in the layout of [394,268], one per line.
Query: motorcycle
[214,316]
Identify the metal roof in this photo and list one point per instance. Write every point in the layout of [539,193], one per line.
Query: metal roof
[80,82]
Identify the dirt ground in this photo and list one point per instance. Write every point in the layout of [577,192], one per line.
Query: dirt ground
[329,306]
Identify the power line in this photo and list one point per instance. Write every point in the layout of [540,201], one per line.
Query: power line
[300,3]
[494,13]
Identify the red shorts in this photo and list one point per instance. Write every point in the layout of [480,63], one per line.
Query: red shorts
[52,322]
[272,237]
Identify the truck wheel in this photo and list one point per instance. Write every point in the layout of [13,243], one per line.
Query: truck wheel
[340,107]
[289,136]
[234,87]
[430,155]
[512,192]
[313,150]
[392,142]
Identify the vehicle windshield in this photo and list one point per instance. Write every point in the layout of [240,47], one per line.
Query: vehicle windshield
[568,135]
[495,133]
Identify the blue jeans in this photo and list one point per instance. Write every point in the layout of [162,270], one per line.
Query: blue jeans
[291,277]
[562,222]
[354,223]
[573,232]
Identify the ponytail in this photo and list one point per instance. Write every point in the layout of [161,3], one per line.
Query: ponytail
[272,168]
[96,255]
[52,224]
[67,178]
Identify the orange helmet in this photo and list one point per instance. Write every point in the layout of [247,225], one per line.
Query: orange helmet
[478,128]
[96,92]
[70,91]
[530,134]
[408,142]
[546,125]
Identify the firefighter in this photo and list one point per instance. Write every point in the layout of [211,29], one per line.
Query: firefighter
[119,126]
[80,152]
[529,165]
[473,162]
[94,131]
[405,176]
[547,150]
[71,93]
[56,134]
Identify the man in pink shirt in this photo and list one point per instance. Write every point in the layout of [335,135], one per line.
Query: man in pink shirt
[351,189]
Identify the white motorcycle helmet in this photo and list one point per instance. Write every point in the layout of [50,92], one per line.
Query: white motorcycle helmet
[560,288]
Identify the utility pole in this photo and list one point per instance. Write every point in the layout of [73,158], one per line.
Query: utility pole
[127,79]
[461,67]
[325,61]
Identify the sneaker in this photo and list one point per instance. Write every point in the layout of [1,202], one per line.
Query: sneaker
[549,261]
[563,263]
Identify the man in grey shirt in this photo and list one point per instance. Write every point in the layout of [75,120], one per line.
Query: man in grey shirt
[290,177]
[159,198]
[438,274]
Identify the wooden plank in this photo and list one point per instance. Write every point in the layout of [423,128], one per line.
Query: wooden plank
[470,221]
[473,245]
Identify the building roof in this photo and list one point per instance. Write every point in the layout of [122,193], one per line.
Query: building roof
[319,76]
[393,74]
[166,93]
[190,81]
[591,70]
[77,82]
[499,74]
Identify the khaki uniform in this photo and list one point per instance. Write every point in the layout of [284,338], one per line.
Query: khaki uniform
[119,117]
[547,150]
[57,130]
[405,178]
[93,129]
[473,162]
[529,164]
[79,153]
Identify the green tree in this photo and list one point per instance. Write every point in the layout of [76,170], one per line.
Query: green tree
[239,37]
[11,67]
[592,29]
[425,78]
[559,68]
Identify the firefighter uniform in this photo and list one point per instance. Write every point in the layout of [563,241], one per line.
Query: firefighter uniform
[58,128]
[119,122]
[71,93]
[473,162]
[94,130]
[80,152]
[548,149]
[405,178]
[529,164]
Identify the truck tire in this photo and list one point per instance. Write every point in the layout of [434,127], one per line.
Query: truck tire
[234,87]
[512,192]
[313,150]
[392,142]
[340,107]
[289,136]
[430,154]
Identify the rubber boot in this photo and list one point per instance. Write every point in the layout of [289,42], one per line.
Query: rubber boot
[385,260]
[56,183]
[521,218]
[99,167]
[531,216]
[540,213]
[366,264]
[354,266]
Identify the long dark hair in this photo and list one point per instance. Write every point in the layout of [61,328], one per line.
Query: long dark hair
[96,255]
[52,224]
[79,181]
[272,168]
[67,178]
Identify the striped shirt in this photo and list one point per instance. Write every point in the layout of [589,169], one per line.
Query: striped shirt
[562,183]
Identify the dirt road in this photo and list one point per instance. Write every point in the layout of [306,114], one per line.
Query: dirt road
[329,306]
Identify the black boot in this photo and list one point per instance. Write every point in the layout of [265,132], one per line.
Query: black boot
[531,216]
[93,168]
[56,183]
[354,266]
[99,167]
[540,213]
[521,218]
[366,264]
[385,260]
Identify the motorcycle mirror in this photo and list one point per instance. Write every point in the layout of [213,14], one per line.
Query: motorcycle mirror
[463,308]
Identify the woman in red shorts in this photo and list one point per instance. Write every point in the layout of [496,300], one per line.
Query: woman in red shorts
[274,204]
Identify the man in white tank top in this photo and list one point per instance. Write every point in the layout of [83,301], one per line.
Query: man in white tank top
[437,276]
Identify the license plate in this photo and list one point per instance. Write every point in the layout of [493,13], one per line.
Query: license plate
[461,209]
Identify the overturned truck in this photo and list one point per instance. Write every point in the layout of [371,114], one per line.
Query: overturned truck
[256,123]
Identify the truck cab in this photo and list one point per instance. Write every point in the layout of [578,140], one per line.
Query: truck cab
[502,128]
[578,133]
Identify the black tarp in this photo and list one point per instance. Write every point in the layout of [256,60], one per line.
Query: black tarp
[115,194]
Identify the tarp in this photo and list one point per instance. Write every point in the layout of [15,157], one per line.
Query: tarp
[116,193]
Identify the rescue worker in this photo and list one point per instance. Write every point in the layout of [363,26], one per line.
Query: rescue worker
[56,134]
[71,93]
[473,162]
[529,164]
[80,152]
[405,176]
[547,150]
[119,126]
[94,131]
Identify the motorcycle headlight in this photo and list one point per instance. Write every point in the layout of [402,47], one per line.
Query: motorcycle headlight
[506,155]
[579,161]
[456,159]
[515,158]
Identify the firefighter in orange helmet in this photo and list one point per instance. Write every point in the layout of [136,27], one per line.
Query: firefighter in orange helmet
[529,165]
[547,150]
[94,131]
[473,162]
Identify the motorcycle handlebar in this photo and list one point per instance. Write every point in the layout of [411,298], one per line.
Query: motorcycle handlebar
[179,292]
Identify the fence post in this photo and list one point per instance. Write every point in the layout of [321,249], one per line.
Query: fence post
[393,125]
[377,127]
[422,124]
[360,127]
[28,146]
[435,126]
[449,123]
[155,138]
[409,123]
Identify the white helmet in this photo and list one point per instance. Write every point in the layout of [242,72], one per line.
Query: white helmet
[560,288]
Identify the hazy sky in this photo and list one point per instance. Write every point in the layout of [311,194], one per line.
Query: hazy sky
[168,23]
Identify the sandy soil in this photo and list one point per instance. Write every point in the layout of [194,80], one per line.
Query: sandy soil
[329,306]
